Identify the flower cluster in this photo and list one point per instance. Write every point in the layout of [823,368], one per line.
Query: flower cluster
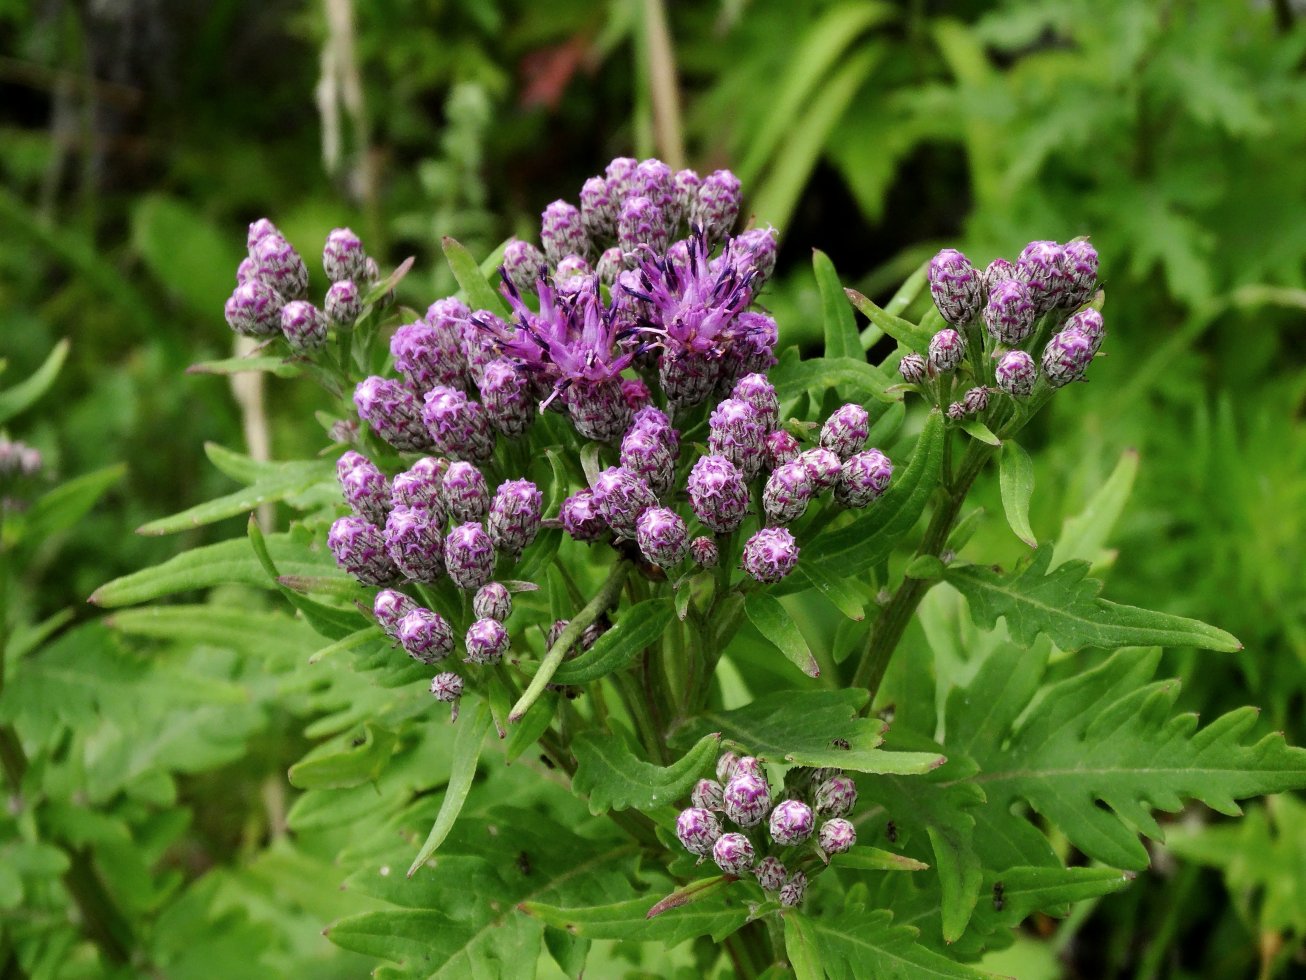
[1001,314]
[780,842]
[19,463]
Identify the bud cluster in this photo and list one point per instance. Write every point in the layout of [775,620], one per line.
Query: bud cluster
[780,842]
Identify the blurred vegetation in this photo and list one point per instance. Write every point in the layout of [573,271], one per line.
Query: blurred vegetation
[138,138]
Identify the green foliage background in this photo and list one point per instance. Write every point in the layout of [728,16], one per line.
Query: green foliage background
[139,138]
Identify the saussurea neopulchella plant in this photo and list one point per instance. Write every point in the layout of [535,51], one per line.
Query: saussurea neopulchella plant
[591,505]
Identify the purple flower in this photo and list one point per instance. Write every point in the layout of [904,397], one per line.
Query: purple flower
[1041,266]
[750,764]
[415,544]
[781,447]
[956,411]
[448,687]
[1067,357]
[359,548]
[1079,266]
[506,398]
[998,271]
[706,795]
[787,494]
[733,853]
[698,830]
[457,425]
[725,766]
[1089,323]
[846,430]
[469,556]
[598,209]
[661,536]
[425,635]
[343,256]
[758,393]
[746,799]
[304,326]
[655,420]
[621,497]
[259,230]
[620,174]
[635,393]
[975,400]
[912,369]
[365,487]
[466,494]
[755,336]
[515,516]
[704,552]
[598,409]
[654,180]
[428,355]
[791,822]
[280,266]
[837,836]
[561,232]
[823,468]
[864,478]
[955,286]
[717,493]
[641,223]
[1009,313]
[770,874]
[478,336]
[392,412]
[770,555]
[686,183]
[793,890]
[492,601]
[247,271]
[419,487]
[645,453]
[581,518]
[836,797]
[523,265]
[486,641]
[343,304]
[254,309]
[735,431]
[717,206]
[610,264]
[571,268]
[757,248]
[1016,373]
[947,349]
[389,607]
[687,377]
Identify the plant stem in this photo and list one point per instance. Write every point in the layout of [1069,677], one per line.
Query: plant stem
[663,87]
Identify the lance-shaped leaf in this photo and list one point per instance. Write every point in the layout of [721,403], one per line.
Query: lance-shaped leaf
[841,338]
[1016,480]
[466,753]
[287,480]
[774,622]
[25,394]
[475,286]
[909,334]
[852,377]
[1065,605]
[862,943]
[610,775]
[810,728]
[639,627]
[717,914]
[346,761]
[68,503]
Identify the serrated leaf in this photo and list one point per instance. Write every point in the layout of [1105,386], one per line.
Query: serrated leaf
[841,339]
[716,915]
[872,536]
[610,775]
[639,627]
[1064,604]
[800,727]
[778,627]
[345,762]
[290,478]
[466,754]
[908,334]
[1016,480]
[25,394]
[480,294]
[861,943]
[330,621]
[237,628]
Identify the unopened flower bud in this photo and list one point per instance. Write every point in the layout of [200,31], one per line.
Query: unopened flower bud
[343,256]
[750,764]
[635,393]
[365,487]
[448,687]
[1079,265]
[469,556]
[515,516]
[846,430]
[466,494]
[836,797]
[562,233]
[425,635]
[655,420]
[770,554]
[392,412]
[419,487]
[621,497]
[686,184]
[707,795]
[523,265]
[641,222]
[246,271]
[998,270]
[955,286]
[736,431]
[457,425]
[746,799]
[581,518]
[956,411]
[1041,266]
[686,377]
[837,836]
[759,394]
[428,355]
[620,175]
[259,230]
[646,454]
[793,890]
[389,607]
[571,267]
[415,544]
[343,304]
[912,369]
[725,766]
[598,209]
[610,264]
[787,494]
[717,206]
[770,874]
[254,309]
[781,447]
[704,552]
[698,830]
[947,349]
[975,400]
[280,266]
[492,601]
[717,493]
[486,641]
[791,822]
[359,548]
[733,853]
[823,468]
[1089,323]
[661,536]
[1016,373]
[598,410]
[1067,357]
[656,181]
[1010,312]
[863,479]
[303,326]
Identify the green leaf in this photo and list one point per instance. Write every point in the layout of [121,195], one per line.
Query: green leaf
[837,589]
[872,536]
[59,509]
[1084,535]
[198,273]
[716,915]
[466,754]
[640,626]
[863,858]
[1016,478]
[862,943]
[25,394]
[905,332]
[289,479]
[1064,605]
[610,775]
[979,431]
[238,628]
[801,728]
[480,294]
[841,339]
[330,621]
[852,377]
[534,723]
[346,761]
[379,290]
[778,627]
